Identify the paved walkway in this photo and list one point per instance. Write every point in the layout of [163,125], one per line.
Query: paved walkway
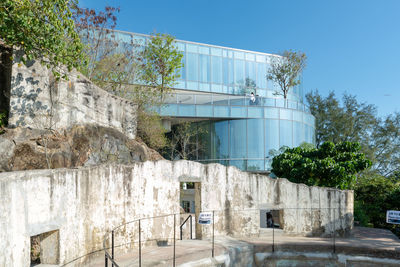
[363,241]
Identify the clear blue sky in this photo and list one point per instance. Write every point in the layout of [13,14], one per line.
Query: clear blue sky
[352,46]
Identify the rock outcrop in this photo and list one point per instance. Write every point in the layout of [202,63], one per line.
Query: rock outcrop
[87,145]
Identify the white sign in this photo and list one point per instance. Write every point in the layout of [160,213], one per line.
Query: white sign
[205,218]
[393,216]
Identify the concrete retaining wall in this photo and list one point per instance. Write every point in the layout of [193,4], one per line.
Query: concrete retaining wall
[85,203]
[38,101]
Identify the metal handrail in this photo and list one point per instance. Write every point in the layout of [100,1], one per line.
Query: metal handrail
[180,227]
[107,255]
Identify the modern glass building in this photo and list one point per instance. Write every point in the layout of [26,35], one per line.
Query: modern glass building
[214,92]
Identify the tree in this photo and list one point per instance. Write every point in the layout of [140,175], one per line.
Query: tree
[44,30]
[161,62]
[96,31]
[285,71]
[374,195]
[183,141]
[330,165]
[358,122]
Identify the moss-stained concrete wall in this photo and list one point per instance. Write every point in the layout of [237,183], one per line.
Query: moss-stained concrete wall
[38,101]
[84,203]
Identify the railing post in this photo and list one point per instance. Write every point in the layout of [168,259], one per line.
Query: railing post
[191,236]
[112,247]
[180,230]
[273,236]
[140,246]
[174,238]
[213,219]
[106,259]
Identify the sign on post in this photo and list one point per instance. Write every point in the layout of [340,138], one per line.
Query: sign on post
[205,218]
[393,216]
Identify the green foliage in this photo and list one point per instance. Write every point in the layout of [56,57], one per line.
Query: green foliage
[150,129]
[375,194]
[329,165]
[161,62]
[43,30]
[358,122]
[285,71]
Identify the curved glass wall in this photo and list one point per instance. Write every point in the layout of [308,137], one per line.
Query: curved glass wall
[249,143]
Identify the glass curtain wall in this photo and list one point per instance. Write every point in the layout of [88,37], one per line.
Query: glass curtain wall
[249,143]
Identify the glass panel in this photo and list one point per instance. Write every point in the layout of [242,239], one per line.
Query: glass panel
[292,104]
[239,72]
[221,111]
[204,50]
[224,162]
[191,48]
[254,112]
[217,88]
[286,133]
[240,164]
[298,133]
[238,112]
[238,100]
[187,110]
[255,165]
[204,87]
[204,68]
[216,67]
[237,131]
[192,85]
[255,138]
[271,135]
[272,113]
[216,51]
[280,102]
[261,58]
[220,140]
[285,114]
[261,75]
[169,110]
[204,110]
[170,99]
[250,81]
[239,55]
[250,57]
[186,99]
[203,99]
[204,140]
[220,99]
[182,71]
[269,102]
[192,67]
[298,116]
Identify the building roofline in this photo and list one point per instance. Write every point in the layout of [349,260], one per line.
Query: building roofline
[197,43]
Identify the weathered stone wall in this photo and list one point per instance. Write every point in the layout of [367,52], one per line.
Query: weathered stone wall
[38,101]
[84,203]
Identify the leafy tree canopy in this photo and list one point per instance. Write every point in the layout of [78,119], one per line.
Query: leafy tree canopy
[43,30]
[329,165]
[350,120]
[285,71]
[161,62]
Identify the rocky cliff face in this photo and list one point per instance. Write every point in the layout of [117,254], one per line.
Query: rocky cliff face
[87,145]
